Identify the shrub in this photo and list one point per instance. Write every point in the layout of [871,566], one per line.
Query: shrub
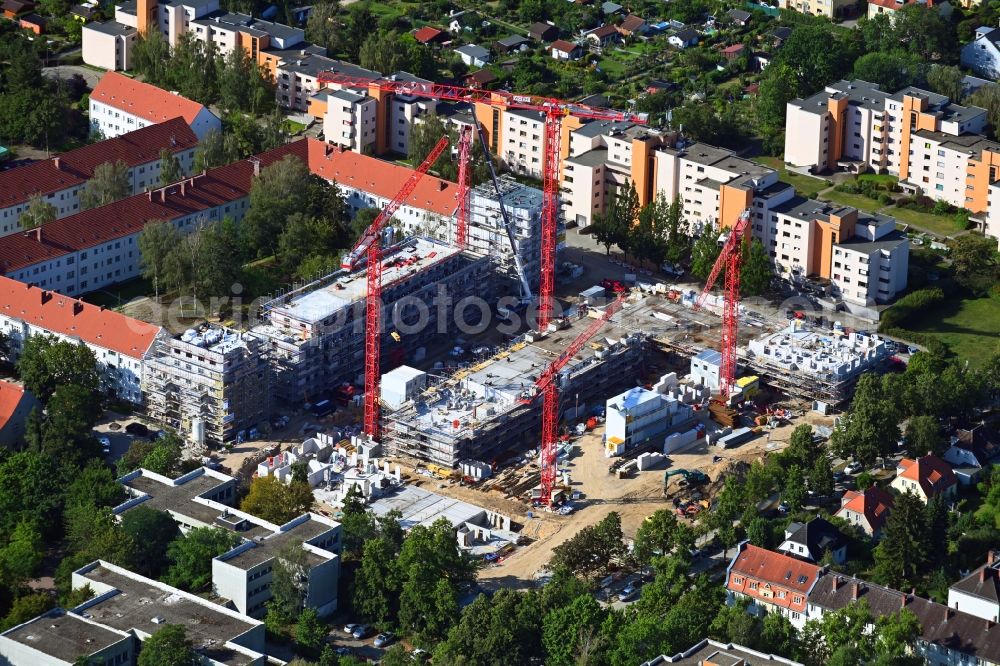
[884,199]
[909,305]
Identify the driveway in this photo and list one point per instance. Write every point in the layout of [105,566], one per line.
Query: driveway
[67,71]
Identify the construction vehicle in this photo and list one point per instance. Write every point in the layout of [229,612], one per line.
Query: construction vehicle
[731,259]
[553,110]
[692,477]
[370,245]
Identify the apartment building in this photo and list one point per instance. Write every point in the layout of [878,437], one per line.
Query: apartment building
[109,44]
[979,592]
[522,147]
[210,385]
[315,333]
[123,611]
[602,157]
[776,582]
[120,344]
[119,104]
[98,247]
[349,121]
[203,498]
[60,180]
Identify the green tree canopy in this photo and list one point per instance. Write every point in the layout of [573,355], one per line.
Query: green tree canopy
[109,183]
[169,646]
[275,501]
[191,556]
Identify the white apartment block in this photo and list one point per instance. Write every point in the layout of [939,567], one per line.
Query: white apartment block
[119,104]
[523,147]
[60,180]
[350,120]
[120,344]
[243,575]
[109,45]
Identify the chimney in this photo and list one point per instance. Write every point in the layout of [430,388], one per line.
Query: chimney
[855,588]
[836,582]
[77,308]
[982,574]
[256,166]
[905,599]
[55,162]
[38,234]
[183,187]
[163,195]
[442,185]
[149,194]
[46,296]
[990,624]
[947,614]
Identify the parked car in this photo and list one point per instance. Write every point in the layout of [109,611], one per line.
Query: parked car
[854,468]
[342,651]
[361,631]
[350,628]
[105,444]
[629,592]
[384,639]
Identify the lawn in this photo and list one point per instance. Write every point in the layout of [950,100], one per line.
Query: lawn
[970,327]
[859,201]
[612,66]
[123,293]
[942,225]
[802,184]
[293,127]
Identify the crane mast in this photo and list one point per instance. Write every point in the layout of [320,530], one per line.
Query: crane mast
[730,259]
[372,247]
[464,166]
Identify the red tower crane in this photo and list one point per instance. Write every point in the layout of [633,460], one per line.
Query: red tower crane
[547,386]
[464,167]
[370,245]
[553,109]
[731,258]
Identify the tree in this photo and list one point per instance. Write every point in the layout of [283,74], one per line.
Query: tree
[211,152]
[871,427]
[988,97]
[821,476]
[288,592]
[504,629]
[925,33]
[70,414]
[704,252]
[975,262]
[169,646]
[892,70]
[170,166]
[923,436]
[756,272]
[26,607]
[357,525]
[377,583]
[276,502]
[153,531]
[323,26]
[794,491]
[895,634]
[946,80]
[30,491]
[191,556]
[21,555]
[816,67]
[157,240]
[902,553]
[381,52]
[46,363]
[778,86]
[37,213]
[564,629]
[109,183]
[594,549]
[303,237]
[310,633]
[151,57]
[216,261]
[655,536]
[274,196]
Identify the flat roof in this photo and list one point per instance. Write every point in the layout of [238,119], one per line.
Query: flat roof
[422,507]
[891,240]
[268,547]
[146,606]
[601,127]
[111,28]
[63,635]
[319,304]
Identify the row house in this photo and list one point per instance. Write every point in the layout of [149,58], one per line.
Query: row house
[120,104]
[60,180]
[120,344]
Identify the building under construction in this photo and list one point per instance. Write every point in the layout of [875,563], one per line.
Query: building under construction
[478,412]
[316,333]
[209,384]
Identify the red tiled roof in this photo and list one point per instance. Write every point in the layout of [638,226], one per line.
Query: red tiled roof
[563,45]
[631,23]
[427,34]
[67,316]
[77,166]
[774,578]
[10,398]
[735,48]
[874,504]
[933,474]
[122,218]
[482,77]
[143,100]
[604,31]
[381,178]
[894,5]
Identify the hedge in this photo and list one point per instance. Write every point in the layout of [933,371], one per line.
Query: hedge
[909,305]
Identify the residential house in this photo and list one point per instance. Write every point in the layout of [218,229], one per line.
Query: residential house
[59,180]
[811,541]
[14,8]
[33,23]
[243,574]
[979,593]
[982,55]
[603,37]
[659,85]
[119,104]
[563,50]
[948,636]
[430,35]
[780,35]
[610,8]
[683,38]
[480,79]
[971,451]
[868,509]
[739,17]
[474,55]
[926,477]
[733,51]
[831,9]
[16,404]
[82,13]
[543,32]
[513,44]
[890,7]
[462,20]
[774,582]
[633,26]
[120,344]
[710,652]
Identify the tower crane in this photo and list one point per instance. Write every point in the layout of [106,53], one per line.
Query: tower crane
[731,259]
[553,110]
[370,246]
[547,386]
[464,167]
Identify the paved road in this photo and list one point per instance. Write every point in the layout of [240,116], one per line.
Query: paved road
[66,71]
